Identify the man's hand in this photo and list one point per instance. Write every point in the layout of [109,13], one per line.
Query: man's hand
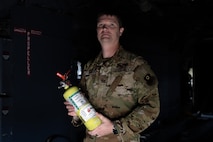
[104,129]
[70,108]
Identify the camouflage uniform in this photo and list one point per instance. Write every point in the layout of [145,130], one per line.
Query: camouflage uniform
[124,89]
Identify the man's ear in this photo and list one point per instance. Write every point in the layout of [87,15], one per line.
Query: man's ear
[121,31]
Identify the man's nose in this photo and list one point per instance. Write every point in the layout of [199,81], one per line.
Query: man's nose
[105,27]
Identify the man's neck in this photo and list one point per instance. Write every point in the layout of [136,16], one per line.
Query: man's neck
[109,51]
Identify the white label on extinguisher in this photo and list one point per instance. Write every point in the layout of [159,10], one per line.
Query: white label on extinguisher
[87,112]
[78,100]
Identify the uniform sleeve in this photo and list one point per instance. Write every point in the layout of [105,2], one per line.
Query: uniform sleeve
[148,107]
[76,121]
[82,83]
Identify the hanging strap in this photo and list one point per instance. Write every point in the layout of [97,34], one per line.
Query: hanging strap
[114,85]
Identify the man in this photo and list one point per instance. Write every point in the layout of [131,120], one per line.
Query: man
[120,85]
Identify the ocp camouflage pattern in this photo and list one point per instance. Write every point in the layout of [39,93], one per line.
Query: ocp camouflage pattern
[133,103]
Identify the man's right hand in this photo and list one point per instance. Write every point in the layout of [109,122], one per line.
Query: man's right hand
[70,108]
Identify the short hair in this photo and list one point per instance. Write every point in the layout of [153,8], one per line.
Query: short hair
[111,13]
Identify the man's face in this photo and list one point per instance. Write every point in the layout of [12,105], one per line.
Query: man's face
[108,29]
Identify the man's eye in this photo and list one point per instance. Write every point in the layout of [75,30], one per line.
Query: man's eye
[100,25]
[112,25]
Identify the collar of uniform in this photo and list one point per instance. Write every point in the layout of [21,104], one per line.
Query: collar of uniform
[100,61]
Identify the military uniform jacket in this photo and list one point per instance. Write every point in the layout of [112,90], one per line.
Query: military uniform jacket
[125,89]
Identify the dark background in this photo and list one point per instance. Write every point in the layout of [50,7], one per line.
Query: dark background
[44,37]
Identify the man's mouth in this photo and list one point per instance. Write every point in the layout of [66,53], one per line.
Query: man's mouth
[105,36]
